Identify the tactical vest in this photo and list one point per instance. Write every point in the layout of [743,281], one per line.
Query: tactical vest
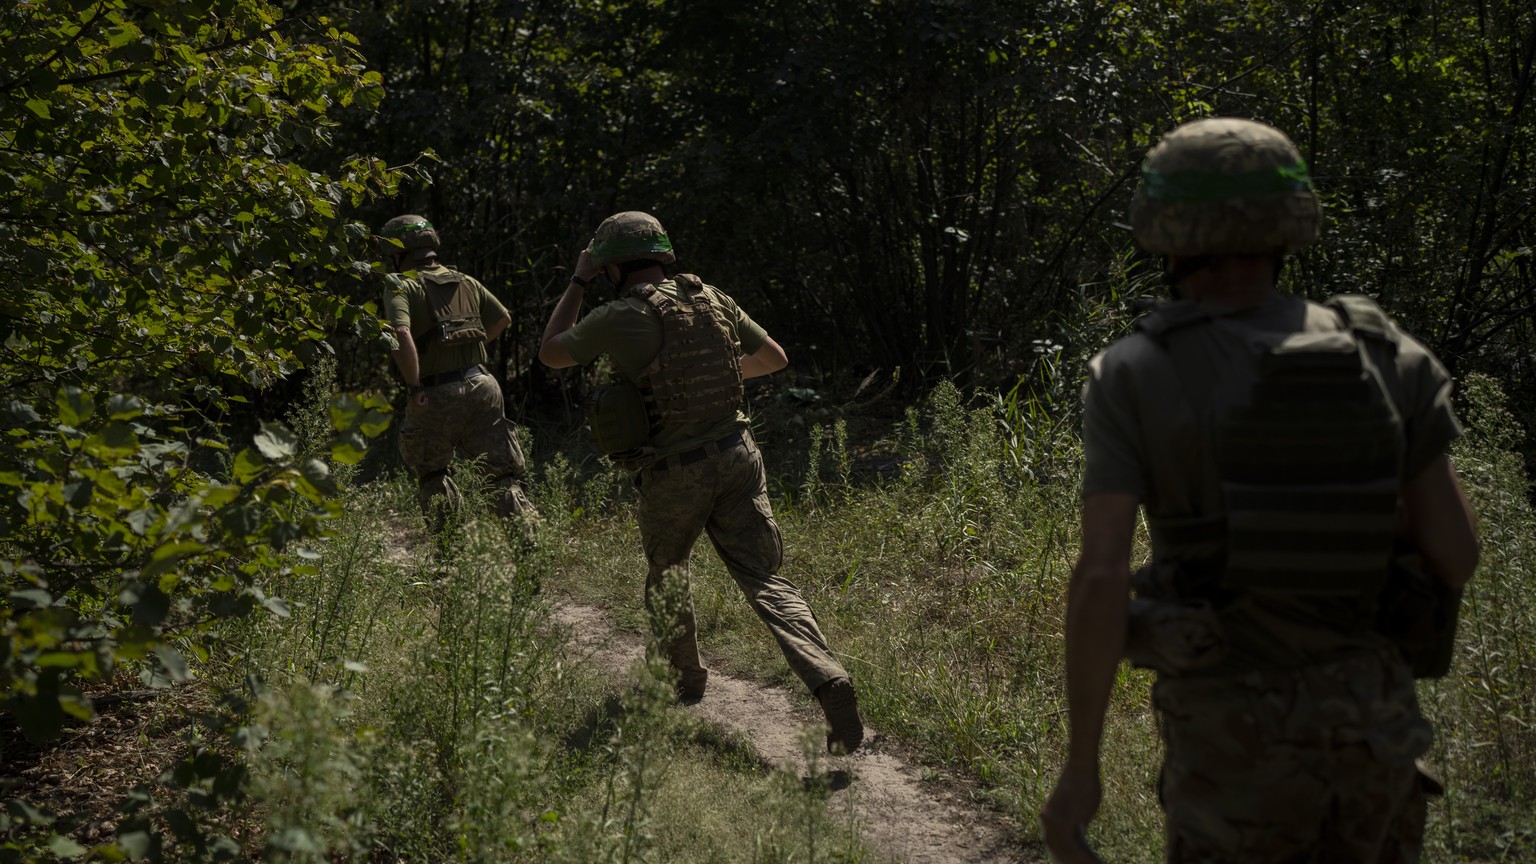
[455,309]
[696,376]
[1310,465]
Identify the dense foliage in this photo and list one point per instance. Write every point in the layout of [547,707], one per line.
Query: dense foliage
[163,252]
[932,185]
[924,189]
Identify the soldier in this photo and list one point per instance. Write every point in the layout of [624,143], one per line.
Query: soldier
[682,349]
[1281,448]
[442,320]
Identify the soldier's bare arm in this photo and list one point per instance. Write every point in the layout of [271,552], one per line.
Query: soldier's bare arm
[497,329]
[766,360]
[1441,524]
[1095,640]
[409,364]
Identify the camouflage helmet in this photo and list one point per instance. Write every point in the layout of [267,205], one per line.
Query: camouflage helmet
[415,232]
[629,236]
[1224,186]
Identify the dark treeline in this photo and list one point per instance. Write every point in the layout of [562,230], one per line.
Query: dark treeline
[934,186]
[927,189]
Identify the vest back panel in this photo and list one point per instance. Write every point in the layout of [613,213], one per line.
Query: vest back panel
[696,376]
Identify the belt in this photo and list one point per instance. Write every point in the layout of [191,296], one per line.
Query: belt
[450,377]
[698,454]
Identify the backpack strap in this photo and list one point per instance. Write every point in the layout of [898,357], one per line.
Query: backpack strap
[1361,314]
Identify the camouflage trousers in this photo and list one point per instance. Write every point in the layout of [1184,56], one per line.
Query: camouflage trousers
[1309,765]
[468,417]
[726,495]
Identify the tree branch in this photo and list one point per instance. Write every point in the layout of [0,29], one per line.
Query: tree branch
[10,85]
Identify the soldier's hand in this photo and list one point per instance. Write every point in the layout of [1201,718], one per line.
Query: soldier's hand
[585,268]
[417,402]
[1071,807]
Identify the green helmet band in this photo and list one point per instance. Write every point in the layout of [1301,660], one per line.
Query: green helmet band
[618,247]
[408,227]
[1203,187]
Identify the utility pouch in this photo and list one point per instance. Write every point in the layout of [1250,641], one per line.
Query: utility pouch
[1174,637]
[455,309]
[618,419]
[1419,614]
[1168,633]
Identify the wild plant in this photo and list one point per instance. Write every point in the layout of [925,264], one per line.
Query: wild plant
[305,763]
[1483,709]
[620,831]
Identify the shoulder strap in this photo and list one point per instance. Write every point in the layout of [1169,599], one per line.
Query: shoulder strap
[449,276]
[653,298]
[1361,314]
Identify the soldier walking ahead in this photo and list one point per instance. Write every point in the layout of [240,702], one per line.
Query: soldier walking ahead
[442,320]
[1285,452]
[682,349]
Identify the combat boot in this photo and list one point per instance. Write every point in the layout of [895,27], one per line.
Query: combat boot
[841,705]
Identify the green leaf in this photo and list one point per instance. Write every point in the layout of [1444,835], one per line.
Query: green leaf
[175,664]
[248,465]
[168,555]
[40,108]
[138,844]
[64,847]
[25,813]
[60,660]
[75,406]
[32,598]
[275,441]
[218,495]
[76,705]
[78,494]
[19,413]
[348,449]
[316,480]
[124,407]
[115,441]
[141,520]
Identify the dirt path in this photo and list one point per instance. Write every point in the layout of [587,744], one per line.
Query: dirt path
[904,818]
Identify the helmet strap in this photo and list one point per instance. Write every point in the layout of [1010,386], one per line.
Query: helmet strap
[628,268]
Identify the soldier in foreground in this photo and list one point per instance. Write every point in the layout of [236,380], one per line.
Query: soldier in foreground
[682,349]
[1285,452]
[442,320]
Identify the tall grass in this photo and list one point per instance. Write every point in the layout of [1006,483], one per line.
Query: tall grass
[1485,710]
[417,705]
[942,585]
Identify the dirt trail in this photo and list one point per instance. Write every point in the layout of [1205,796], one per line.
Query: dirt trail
[904,818]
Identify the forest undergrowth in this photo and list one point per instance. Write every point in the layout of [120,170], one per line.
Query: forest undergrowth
[941,580]
[416,703]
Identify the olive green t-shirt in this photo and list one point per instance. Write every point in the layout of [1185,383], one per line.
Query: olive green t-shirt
[1148,432]
[405,304]
[629,331]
